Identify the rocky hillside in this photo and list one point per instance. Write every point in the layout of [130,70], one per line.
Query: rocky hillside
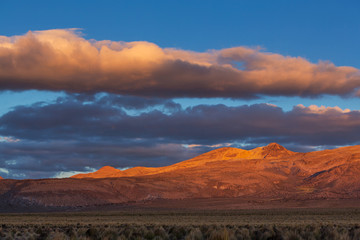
[270,173]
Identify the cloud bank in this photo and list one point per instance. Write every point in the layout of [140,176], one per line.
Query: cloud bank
[63,60]
[78,132]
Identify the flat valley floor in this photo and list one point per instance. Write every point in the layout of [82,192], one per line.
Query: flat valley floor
[305,223]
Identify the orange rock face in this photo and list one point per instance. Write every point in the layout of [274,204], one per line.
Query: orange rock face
[226,154]
[261,174]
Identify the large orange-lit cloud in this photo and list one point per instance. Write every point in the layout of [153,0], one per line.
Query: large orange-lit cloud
[64,60]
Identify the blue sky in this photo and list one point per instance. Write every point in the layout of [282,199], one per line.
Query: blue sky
[315,31]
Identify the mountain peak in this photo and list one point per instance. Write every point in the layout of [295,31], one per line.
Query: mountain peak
[223,153]
[274,146]
[104,172]
[275,150]
[108,169]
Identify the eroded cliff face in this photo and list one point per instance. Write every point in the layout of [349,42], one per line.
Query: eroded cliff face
[265,173]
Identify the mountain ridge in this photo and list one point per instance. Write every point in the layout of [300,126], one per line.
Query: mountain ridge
[248,178]
[226,153]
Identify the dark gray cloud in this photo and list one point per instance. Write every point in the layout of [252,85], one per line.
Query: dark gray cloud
[35,159]
[78,132]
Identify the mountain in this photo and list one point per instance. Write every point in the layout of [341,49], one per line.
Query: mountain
[1,178]
[261,177]
[270,151]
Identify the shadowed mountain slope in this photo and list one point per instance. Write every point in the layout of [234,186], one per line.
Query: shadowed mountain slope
[270,173]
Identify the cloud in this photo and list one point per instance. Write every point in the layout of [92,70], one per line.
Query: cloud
[82,130]
[322,109]
[77,120]
[3,170]
[62,59]
[71,173]
[54,158]
[8,139]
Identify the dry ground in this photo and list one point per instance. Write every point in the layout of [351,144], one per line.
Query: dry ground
[189,224]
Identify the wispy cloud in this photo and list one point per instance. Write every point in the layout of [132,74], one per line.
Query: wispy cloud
[66,174]
[3,170]
[9,139]
[63,60]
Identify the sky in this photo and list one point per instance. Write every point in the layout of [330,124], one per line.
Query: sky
[151,83]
